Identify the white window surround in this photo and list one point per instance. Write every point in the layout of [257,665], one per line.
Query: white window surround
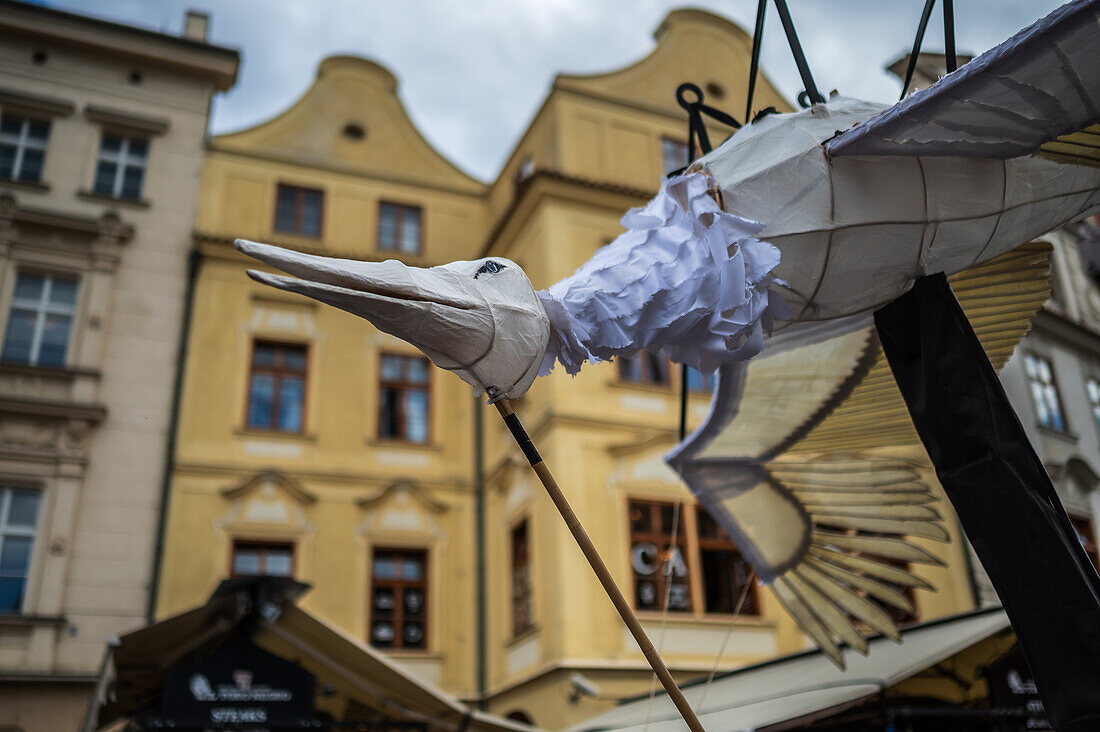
[42,308]
[131,156]
[21,528]
[24,142]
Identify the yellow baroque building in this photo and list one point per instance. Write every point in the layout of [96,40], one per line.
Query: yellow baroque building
[311,445]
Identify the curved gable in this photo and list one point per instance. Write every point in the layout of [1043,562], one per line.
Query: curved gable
[692,45]
[350,90]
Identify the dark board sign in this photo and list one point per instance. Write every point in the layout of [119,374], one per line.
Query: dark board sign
[1012,685]
[238,684]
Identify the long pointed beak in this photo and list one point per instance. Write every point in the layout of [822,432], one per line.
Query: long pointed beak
[430,308]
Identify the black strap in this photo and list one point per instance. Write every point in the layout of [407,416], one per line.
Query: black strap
[949,35]
[948,41]
[697,129]
[811,93]
[524,442]
[757,38]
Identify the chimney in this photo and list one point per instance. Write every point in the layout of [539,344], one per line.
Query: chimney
[195,24]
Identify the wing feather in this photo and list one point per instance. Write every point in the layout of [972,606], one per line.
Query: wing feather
[850,601]
[872,568]
[809,622]
[831,616]
[879,545]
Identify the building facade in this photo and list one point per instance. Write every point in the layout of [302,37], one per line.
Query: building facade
[313,446]
[101,132]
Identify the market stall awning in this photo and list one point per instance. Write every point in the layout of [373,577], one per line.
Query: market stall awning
[805,684]
[353,681]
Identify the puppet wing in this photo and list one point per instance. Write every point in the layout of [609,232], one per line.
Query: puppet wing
[1038,89]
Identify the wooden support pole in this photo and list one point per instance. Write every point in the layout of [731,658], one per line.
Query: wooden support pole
[596,562]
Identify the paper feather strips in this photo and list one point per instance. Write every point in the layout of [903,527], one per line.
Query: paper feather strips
[686,279]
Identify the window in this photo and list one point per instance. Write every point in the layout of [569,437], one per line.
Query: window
[1044,392]
[523,611]
[1083,528]
[40,320]
[674,154]
[725,572]
[643,368]
[399,588]
[276,388]
[298,210]
[697,382]
[18,518]
[399,228]
[120,169]
[22,147]
[660,568]
[1092,388]
[403,398]
[256,559]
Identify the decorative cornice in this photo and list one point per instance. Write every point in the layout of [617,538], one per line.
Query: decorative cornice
[52,408]
[18,100]
[417,491]
[107,226]
[126,120]
[287,484]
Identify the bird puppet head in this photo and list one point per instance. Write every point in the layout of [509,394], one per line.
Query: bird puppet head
[480,319]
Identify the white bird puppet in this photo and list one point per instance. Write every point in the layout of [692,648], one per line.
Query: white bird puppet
[820,215]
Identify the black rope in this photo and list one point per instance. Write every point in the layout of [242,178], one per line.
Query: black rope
[811,94]
[948,41]
[697,129]
[757,38]
[949,35]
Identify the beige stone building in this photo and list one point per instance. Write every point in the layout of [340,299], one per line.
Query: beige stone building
[101,133]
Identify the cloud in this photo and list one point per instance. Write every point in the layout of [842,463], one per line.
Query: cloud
[473,74]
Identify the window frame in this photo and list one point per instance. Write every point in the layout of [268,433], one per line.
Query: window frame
[751,607]
[1094,404]
[41,309]
[7,492]
[662,365]
[527,597]
[121,161]
[398,619]
[1053,385]
[400,210]
[401,426]
[299,208]
[669,140]
[1091,546]
[264,544]
[23,143]
[663,542]
[273,427]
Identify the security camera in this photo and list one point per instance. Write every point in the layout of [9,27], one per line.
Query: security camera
[581,685]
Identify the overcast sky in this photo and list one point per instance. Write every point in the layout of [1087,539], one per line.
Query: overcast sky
[473,73]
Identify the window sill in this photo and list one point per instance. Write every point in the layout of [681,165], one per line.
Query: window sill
[715,619]
[16,620]
[403,444]
[26,185]
[1065,436]
[257,432]
[13,367]
[102,197]
[525,635]
[410,653]
[663,389]
[298,237]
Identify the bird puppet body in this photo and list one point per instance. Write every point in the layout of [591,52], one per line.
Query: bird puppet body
[825,214]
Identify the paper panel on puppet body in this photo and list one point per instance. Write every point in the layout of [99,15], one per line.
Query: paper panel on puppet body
[479,319]
[855,231]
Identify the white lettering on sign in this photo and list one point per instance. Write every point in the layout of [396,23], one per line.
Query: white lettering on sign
[646,559]
[237,716]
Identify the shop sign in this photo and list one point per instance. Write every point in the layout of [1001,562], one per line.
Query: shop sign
[1011,685]
[239,683]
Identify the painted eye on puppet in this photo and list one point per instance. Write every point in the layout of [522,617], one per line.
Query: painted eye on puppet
[489,267]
